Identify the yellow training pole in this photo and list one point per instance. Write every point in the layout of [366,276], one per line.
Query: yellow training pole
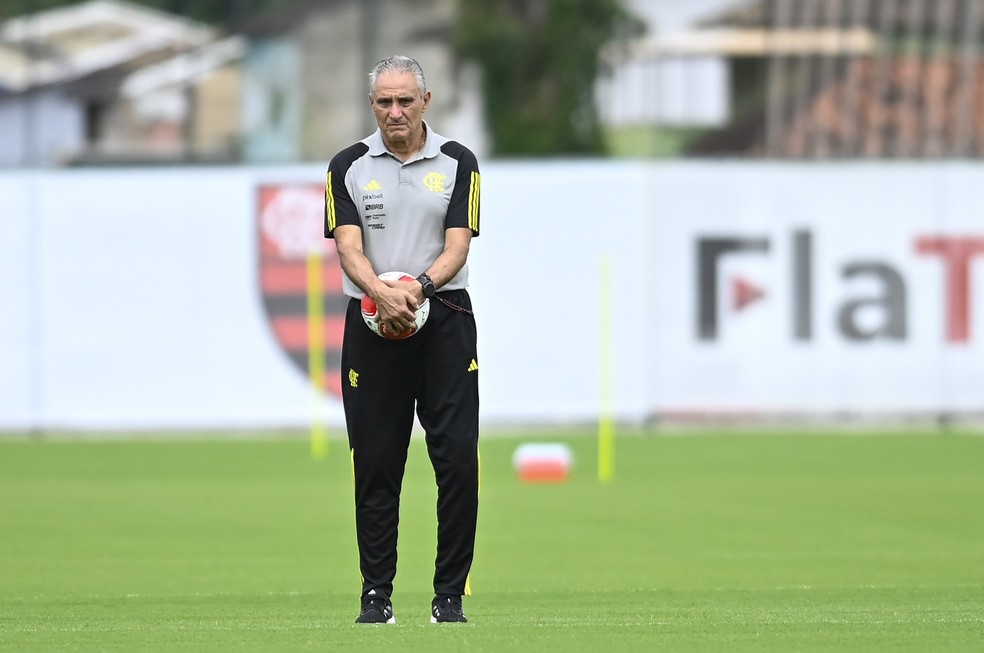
[316,353]
[606,419]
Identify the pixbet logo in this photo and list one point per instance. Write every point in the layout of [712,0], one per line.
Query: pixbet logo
[955,253]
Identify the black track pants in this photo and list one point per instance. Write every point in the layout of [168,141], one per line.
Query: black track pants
[435,370]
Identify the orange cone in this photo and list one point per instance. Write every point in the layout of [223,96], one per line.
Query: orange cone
[543,462]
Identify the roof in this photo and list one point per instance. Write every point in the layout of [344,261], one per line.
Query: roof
[184,69]
[71,42]
[901,107]
[748,42]
[874,14]
[876,108]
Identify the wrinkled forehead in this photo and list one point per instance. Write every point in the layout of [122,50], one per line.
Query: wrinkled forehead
[393,84]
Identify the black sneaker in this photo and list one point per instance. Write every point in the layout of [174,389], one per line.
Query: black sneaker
[376,609]
[446,609]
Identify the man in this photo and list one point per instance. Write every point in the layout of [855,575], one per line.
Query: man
[407,199]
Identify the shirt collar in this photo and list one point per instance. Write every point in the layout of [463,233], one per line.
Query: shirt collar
[431,147]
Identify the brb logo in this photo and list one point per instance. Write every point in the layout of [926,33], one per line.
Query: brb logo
[956,255]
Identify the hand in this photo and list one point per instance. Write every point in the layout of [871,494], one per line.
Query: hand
[397,305]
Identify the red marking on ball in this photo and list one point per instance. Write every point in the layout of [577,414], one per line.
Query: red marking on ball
[370,312]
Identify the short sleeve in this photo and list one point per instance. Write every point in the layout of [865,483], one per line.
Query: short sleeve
[464,207]
[339,206]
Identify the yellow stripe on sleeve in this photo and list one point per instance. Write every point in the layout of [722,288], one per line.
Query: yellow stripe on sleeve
[474,197]
[330,204]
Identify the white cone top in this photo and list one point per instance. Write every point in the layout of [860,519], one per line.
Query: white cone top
[543,451]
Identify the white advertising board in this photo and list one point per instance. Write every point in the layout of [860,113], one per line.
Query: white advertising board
[819,289]
[175,298]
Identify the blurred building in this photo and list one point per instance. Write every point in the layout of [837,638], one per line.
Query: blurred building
[109,81]
[669,77]
[306,74]
[808,79]
[855,79]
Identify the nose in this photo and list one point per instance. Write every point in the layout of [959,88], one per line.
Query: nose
[395,111]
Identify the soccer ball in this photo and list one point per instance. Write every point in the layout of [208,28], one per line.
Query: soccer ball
[371,315]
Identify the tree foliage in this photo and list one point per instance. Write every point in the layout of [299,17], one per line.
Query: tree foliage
[539,62]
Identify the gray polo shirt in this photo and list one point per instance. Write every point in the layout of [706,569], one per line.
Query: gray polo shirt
[403,208]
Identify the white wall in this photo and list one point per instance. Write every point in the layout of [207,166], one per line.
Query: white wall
[19,269]
[680,91]
[131,299]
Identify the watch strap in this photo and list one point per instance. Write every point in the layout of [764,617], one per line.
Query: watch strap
[427,284]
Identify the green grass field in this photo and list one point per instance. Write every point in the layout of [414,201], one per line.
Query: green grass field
[703,542]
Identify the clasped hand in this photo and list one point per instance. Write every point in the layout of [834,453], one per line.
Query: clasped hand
[397,305]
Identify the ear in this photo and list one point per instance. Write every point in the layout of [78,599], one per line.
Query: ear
[427,99]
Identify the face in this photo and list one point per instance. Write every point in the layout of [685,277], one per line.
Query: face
[398,106]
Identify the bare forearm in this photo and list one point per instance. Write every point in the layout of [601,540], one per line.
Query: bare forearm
[446,266]
[358,268]
[395,302]
[348,243]
[452,259]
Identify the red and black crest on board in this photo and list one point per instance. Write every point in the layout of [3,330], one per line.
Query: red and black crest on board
[290,228]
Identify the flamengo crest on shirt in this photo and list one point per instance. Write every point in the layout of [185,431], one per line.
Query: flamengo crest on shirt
[290,227]
[955,253]
[435,182]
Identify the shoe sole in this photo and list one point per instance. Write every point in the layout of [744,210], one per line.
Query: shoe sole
[435,621]
[391,620]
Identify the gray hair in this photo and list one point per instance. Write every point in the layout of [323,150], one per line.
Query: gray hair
[397,64]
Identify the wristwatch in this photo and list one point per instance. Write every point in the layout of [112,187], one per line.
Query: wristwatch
[427,284]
